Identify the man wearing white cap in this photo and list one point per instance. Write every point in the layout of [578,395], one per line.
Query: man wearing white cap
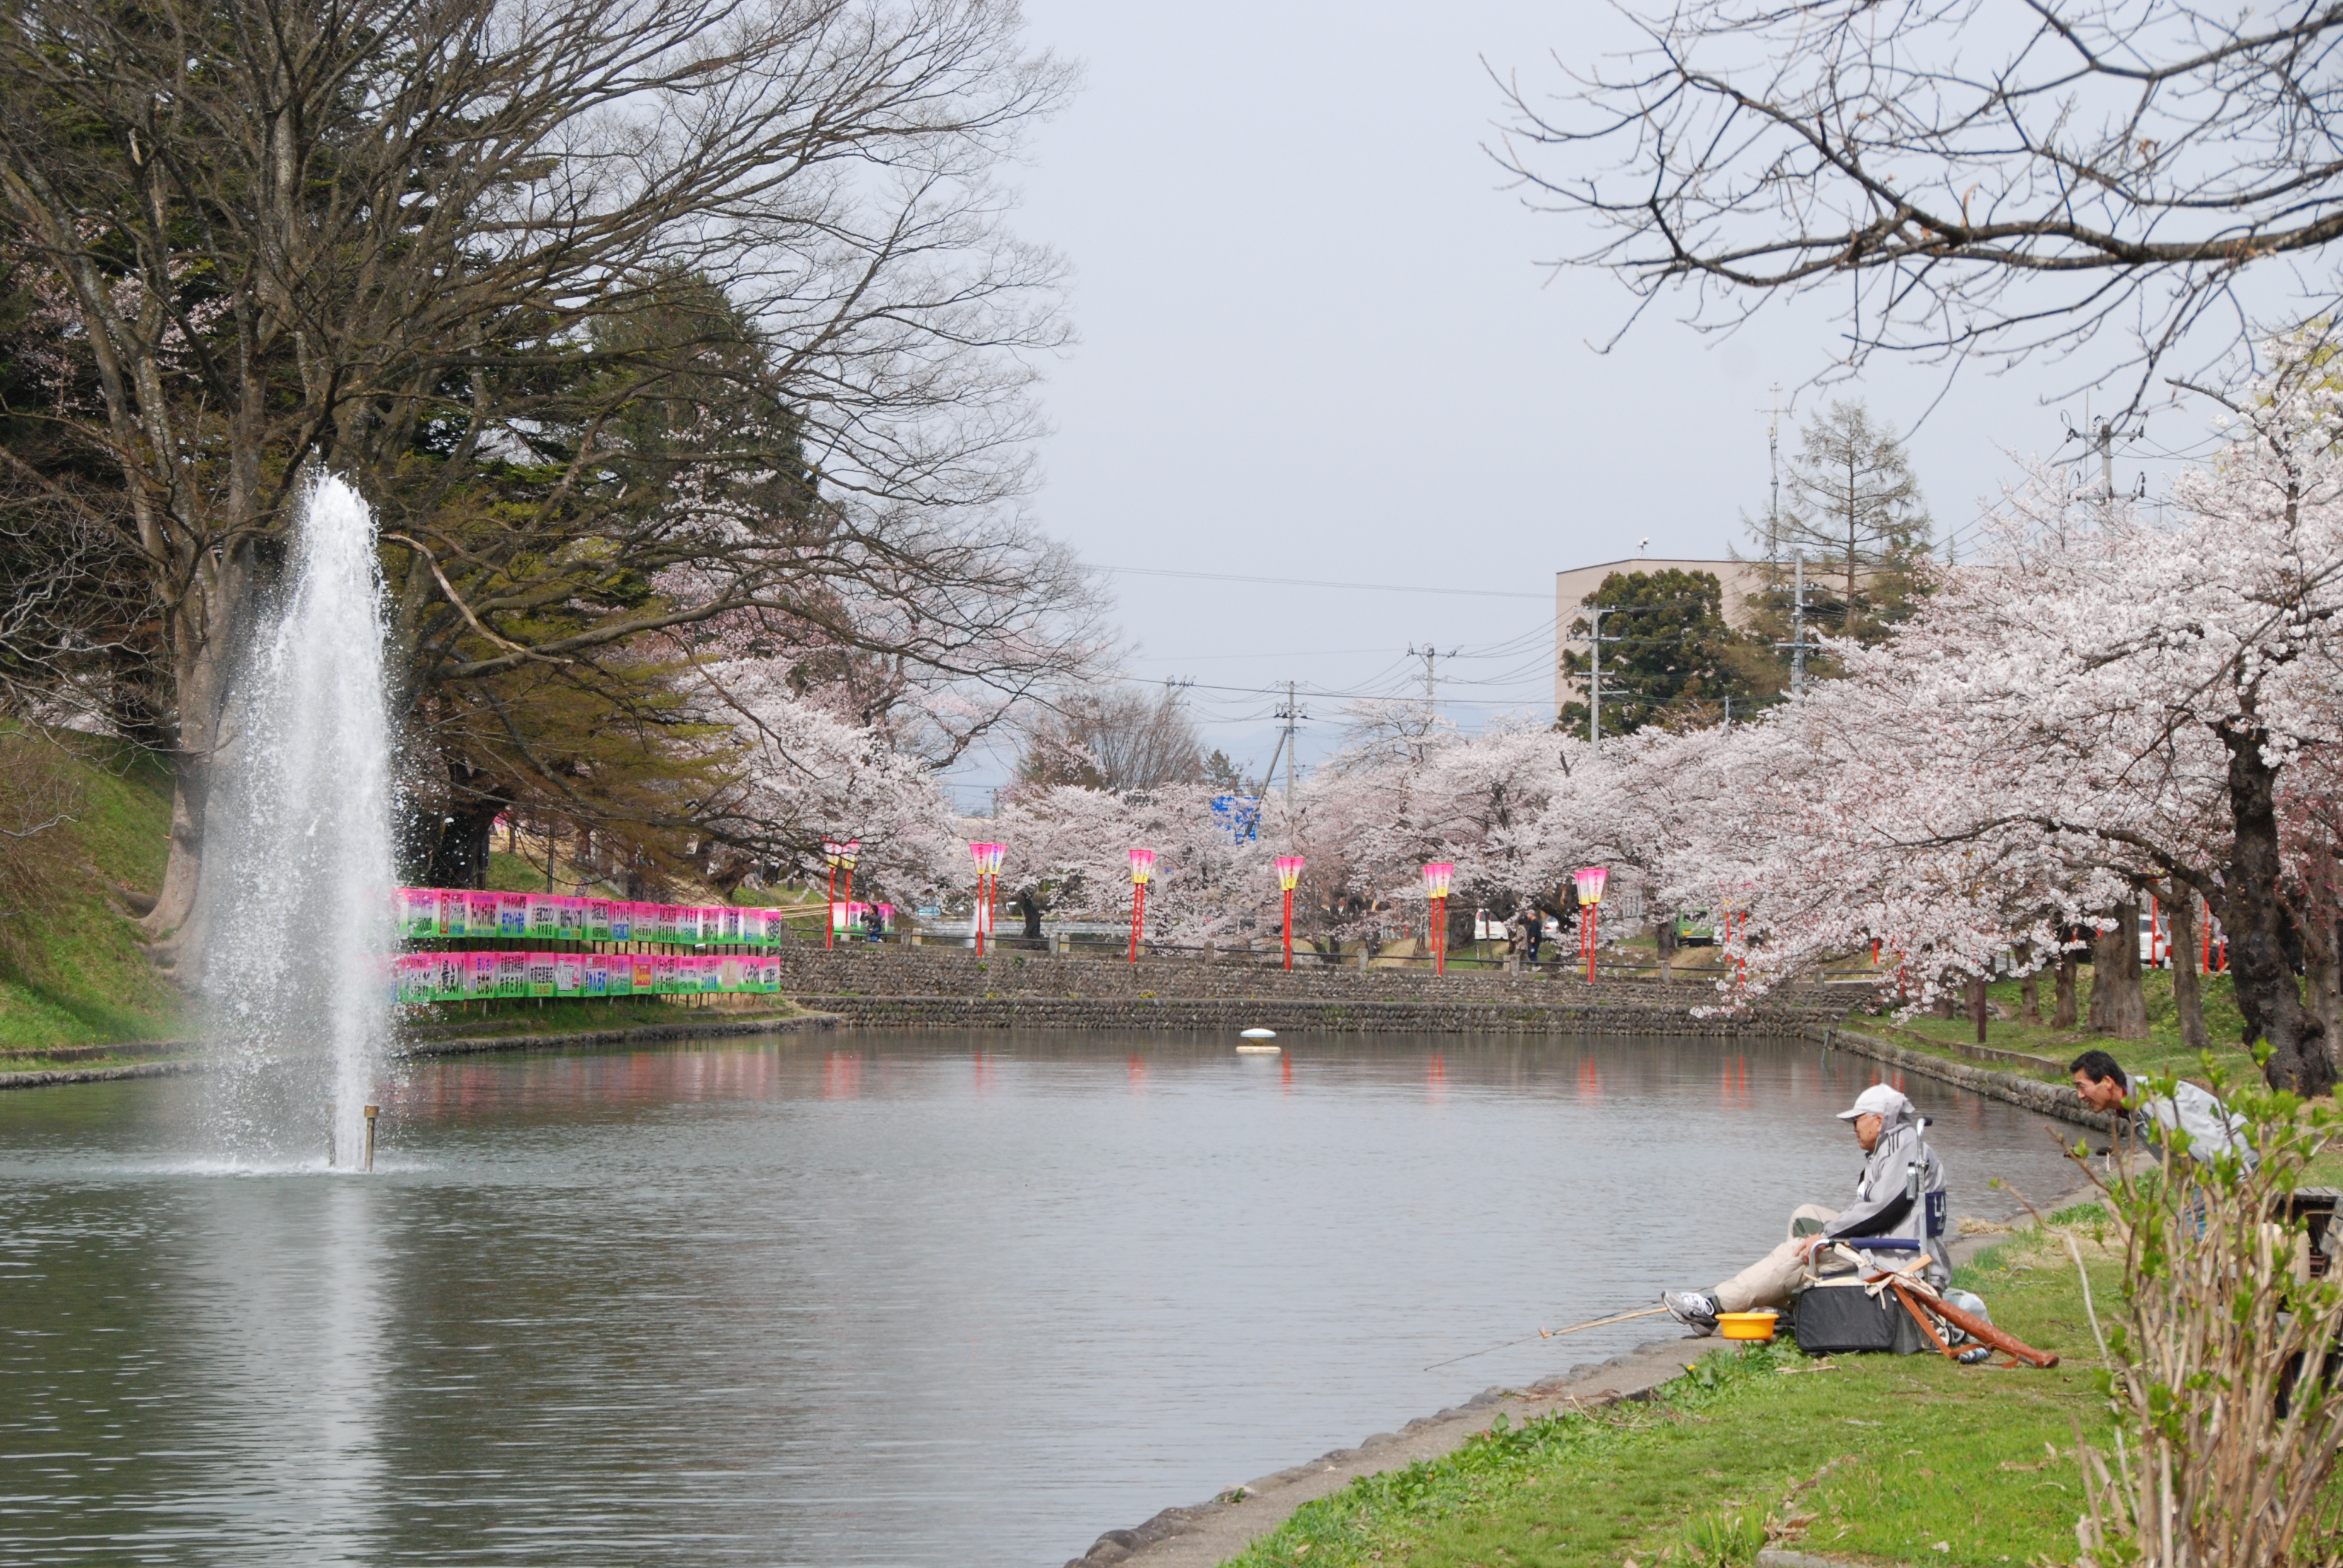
[1899,1198]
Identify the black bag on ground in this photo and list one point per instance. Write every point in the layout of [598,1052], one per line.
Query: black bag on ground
[1830,1319]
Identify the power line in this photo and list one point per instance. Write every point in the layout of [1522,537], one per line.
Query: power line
[1318,582]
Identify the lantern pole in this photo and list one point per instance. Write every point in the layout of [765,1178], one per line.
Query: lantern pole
[1590,880]
[1142,867]
[1437,875]
[851,847]
[1289,872]
[831,850]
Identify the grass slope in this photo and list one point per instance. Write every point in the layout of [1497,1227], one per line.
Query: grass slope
[1882,1458]
[2160,1053]
[78,973]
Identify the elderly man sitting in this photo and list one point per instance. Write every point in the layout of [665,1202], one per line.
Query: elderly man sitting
[1899,1197]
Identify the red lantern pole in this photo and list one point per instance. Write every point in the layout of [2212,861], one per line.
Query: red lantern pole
[988,886]
[1142,868]
[829,915]
[1289,872]
[1590,880]
[1437,875]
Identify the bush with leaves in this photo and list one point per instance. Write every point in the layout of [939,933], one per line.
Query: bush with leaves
[2229,1424]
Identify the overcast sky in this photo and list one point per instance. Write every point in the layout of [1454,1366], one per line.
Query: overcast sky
[1316,343]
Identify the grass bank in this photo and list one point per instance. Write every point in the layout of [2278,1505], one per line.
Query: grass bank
[74,969]
[2162,1052]
[1891,1458]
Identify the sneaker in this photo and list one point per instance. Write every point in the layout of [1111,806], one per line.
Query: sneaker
[1696,1310]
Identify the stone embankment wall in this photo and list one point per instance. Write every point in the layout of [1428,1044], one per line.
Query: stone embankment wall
[947,987]
[2058,1099]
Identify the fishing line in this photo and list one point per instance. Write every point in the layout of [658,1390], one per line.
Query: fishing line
[1552,1334]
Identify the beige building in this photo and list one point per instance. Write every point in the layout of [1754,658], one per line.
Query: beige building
[1572,588]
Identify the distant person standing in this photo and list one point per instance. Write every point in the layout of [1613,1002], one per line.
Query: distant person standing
[1535,918]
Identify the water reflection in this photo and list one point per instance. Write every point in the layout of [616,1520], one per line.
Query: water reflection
[861,1300]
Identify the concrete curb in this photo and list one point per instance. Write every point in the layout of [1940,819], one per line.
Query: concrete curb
[1209,1533]
[2058,1099]
[48,1077]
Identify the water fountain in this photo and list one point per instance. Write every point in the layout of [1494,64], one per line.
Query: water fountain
[298,926]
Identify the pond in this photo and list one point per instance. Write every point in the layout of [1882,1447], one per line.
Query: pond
[864,1298]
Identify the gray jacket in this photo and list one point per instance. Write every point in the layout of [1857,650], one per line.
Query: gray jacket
[2212,1127]
[1900,1193]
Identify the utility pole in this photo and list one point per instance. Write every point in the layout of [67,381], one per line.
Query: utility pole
[1291,713]
[1774,463]
[2105,438]
[1797,644]
[1595,642]
[1428,654]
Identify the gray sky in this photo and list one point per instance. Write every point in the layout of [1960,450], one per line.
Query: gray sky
[1316,343]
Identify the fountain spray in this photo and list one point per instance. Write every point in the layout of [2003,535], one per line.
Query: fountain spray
[298,882]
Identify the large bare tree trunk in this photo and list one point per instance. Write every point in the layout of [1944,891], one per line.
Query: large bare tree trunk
[205,630]
[2187,992]
[2322,970]
[2029,987]
[2255,917]
[2118,1002]
[2062,1005]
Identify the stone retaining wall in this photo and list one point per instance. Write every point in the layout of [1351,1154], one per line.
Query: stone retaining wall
[809,971]
[2058,1099]
[1296,1014]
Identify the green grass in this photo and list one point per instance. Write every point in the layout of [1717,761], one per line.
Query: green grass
[1894,1459]
[2160,1053]
[82,976]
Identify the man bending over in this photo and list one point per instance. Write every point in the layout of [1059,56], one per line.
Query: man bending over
[2212,1127]
[1899,1196]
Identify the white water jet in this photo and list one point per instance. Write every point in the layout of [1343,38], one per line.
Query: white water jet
[296,901]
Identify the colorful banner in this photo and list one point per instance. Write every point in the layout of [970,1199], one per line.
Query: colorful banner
[427,914]
[418,912]
[420,977]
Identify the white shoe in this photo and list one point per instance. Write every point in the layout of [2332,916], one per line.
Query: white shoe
[1696,1310]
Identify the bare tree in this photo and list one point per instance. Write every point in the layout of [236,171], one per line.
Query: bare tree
[1855,510]
[1968,176]
[392,237]
[1121,740]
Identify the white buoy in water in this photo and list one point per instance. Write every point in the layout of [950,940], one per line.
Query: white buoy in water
[1256,1042]
[1258,1034]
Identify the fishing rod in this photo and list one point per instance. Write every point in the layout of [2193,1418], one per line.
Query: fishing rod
[1550,1334]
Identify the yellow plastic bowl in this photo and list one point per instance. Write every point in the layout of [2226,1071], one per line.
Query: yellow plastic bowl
[1746,1325]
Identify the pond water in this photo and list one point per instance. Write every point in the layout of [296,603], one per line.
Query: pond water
[950,1299]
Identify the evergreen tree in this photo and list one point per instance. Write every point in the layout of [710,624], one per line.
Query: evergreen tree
[1855,515]
[1675,661]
